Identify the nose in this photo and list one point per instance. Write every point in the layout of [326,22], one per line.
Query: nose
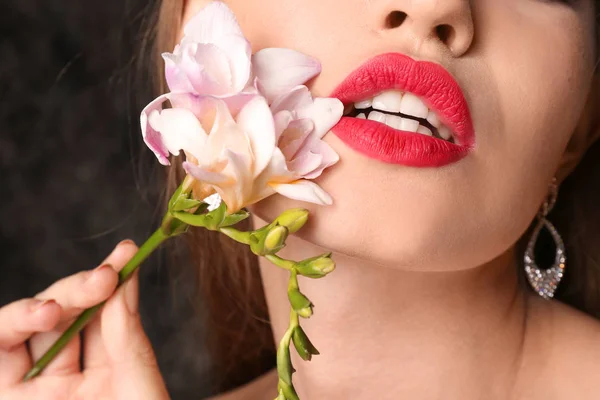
[446,22]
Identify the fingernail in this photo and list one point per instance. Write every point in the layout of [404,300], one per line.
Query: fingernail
[126,241]
[40,304]
[97,270]
[131,295]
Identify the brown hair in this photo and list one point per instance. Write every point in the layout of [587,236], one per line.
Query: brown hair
[241,341]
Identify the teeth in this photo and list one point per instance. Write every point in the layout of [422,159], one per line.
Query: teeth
[361,105]
[445,133]
[412,105]
[424,130]
[409,125]
[393,121]
[394,101]
[433,119]
[377,116]
[388,101]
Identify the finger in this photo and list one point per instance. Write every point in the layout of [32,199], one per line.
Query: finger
[76,293]
[84,289]
[128,349]
[18,321]
[94,352]
[47,388]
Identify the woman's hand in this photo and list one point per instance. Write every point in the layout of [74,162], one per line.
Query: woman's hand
[117,358]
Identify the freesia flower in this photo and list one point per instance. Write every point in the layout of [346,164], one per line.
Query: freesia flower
[246,124]
[213,57]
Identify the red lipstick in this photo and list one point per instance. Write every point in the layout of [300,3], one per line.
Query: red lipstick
[433,85]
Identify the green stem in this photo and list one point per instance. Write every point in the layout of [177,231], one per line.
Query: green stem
[281,262]
[145,250]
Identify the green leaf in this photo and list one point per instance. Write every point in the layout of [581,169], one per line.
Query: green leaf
[303,345]
[175,196]
[217,216]
[191,219]
[185,204]
[235,218]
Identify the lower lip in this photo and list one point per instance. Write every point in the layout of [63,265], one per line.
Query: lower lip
[384,143]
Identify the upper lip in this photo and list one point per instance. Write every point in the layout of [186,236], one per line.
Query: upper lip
[427,80]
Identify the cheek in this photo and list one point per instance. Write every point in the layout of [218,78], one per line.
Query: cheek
[525,82]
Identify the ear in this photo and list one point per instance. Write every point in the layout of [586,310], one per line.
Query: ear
[586,133]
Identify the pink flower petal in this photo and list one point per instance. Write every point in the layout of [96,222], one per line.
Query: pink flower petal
[256,121]
[237,196]
[328,158]
[305,164]
[151,137]
[282,121]
[238,52]
[279,70]
[206,176]
[208,69]
[303,190]
[211,23]
[225,134]
[176,79]
[325,113]
[297,98]
[294,137]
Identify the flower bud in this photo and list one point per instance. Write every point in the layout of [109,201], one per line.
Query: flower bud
[300,303]
[275,239]
[293,219]
[303,345]
[316,267]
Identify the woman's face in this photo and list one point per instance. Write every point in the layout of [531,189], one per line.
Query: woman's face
[525,69]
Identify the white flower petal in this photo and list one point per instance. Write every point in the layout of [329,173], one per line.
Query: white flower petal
[238,195]
[152,138]
[325,113]
[211,23]
[176,78]
[328,158]
[294,136]
[256,121]
[180,130]
[238,52]
[208,70]
[303,190]
[305,163]
[279,70]
[297,98]
[206,176]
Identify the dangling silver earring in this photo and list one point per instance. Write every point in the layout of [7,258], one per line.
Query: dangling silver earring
[545,282]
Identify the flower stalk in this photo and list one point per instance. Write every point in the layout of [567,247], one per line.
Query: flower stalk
[183,212]
[153,242]
[169,227]
[300,305]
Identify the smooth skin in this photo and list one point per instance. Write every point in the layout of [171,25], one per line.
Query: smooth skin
[118,360]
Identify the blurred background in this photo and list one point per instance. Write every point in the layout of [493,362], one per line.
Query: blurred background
[75,178]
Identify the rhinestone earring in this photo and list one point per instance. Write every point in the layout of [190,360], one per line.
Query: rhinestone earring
[545,282]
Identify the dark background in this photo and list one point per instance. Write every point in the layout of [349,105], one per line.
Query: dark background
[75,178]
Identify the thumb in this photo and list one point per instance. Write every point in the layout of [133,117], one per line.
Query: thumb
[128,348]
